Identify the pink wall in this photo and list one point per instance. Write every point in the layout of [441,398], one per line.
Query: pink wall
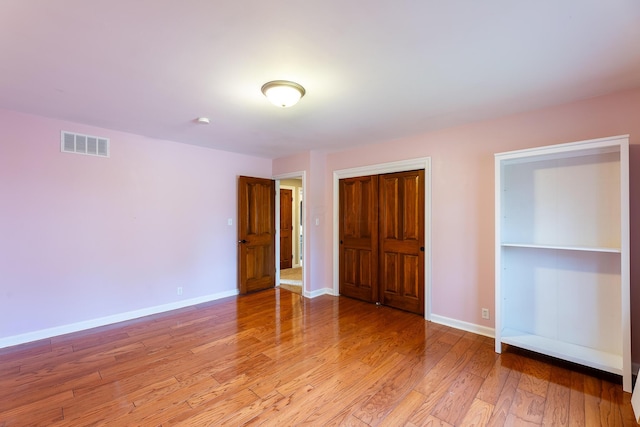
[313,163]
[85,237]
[463,199]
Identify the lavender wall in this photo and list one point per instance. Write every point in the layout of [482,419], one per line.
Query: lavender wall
[87,240]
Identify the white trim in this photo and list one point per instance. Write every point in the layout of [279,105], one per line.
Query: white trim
[305,246]
[296,242]
[319,292]
[108,320]
[464,326]
[606,144]
[378,169]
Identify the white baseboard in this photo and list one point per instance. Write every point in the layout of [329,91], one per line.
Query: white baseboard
[465,326]
[319,292]
[108,320]
[290,282]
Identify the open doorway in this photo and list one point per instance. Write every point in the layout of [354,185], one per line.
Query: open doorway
[290,239]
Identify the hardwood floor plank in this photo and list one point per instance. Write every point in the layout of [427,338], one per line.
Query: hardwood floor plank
[431,421]
[592,401]
[214,412]
[27,350]
[558,403]
[451,363]
[186,390]
[535,377]
[322,394]
[494,382]
[218,392]
[25,394]
[527,407]
[478,414]
[401,412]
[438,380]
[151,415]
[505,399]
[143,364]
[610,414]
[397,385]
[348,421]
[284,374]
[576,397]
[249,412]
[275,410]
[455,403]
[101,414]
[482,361]
[345,404]
[44,411]
[276,358]
[250,366]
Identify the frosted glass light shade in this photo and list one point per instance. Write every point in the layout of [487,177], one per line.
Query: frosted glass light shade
[283,93]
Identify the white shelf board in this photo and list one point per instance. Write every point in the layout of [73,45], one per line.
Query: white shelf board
[562,247]
[558,151]
[597,359]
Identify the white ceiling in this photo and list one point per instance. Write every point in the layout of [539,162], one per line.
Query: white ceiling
[374,70]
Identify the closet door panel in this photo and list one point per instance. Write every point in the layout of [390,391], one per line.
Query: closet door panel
[401,220]
[359,238]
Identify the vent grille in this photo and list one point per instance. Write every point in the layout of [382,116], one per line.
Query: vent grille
[84,144]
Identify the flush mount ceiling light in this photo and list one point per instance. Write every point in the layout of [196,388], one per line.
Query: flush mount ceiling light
[283,93]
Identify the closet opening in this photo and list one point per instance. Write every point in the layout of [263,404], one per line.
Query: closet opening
[382,234]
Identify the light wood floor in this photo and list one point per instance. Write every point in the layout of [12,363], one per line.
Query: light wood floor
[291,274]
[291,279]
[274,358]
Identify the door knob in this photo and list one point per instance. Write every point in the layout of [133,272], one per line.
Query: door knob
[242,241]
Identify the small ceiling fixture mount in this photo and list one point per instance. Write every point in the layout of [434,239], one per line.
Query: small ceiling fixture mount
[203,120]
[283,93]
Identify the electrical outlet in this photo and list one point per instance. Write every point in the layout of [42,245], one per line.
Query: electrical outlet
[485,313]
[179,290]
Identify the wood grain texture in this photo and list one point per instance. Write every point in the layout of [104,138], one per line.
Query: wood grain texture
[276,358]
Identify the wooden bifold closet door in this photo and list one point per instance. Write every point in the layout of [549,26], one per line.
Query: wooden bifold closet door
[382,239]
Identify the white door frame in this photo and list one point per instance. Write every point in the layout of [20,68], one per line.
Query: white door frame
[295,233]
[379,169]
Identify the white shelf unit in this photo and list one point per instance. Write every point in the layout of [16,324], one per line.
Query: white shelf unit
[562,252]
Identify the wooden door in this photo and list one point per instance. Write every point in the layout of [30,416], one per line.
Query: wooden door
[286,229]
[256,234]
[401,237]
[359,237]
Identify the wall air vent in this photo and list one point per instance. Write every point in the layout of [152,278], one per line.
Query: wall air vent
[84,144]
